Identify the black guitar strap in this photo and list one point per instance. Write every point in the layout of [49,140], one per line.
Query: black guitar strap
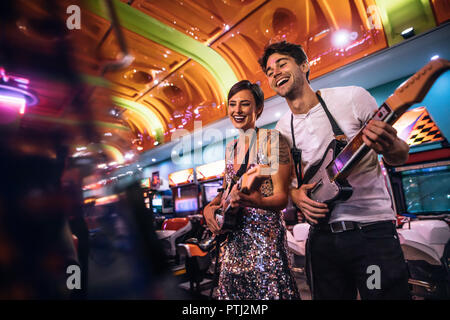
[339,135]
[296,156]
[243,168]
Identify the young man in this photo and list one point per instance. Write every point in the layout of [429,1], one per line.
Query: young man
[357,248]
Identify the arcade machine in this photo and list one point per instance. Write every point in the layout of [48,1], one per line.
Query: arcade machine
[146,190]
[157,200]
[186,199]
[186,193]
[421,197]
[199,255]
[210,178]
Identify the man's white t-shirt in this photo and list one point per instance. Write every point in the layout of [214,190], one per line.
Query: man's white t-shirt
[351,107]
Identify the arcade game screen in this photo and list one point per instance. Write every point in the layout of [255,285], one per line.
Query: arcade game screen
[427,190]
[210,189]
[157,203]
[186,198]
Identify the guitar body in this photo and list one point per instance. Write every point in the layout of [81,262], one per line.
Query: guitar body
[228,217]
[326,190]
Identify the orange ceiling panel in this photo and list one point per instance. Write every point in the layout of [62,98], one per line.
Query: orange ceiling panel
[100,104]
[333,34]
[203,20]
[187,95]
[94,28]
[152,63]
[441,9]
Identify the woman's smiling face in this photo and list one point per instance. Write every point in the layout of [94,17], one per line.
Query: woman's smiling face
[242,110]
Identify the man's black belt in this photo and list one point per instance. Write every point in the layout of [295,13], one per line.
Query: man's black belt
[342,226]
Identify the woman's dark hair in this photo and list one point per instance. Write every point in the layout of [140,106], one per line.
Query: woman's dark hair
[289,49]
[254,88]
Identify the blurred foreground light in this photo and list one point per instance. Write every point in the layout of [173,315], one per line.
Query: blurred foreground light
[14,95]
[106,200]
[13,102]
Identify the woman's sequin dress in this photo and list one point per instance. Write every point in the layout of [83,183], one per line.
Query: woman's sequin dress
[254,262]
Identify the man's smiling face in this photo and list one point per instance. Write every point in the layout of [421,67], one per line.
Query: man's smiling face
[285,76]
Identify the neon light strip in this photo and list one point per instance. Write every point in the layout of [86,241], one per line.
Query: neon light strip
[152,121]
[115,153]
[148,117]
[15,102]
[21,80]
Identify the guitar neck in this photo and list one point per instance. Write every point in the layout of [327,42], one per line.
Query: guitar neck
[356,149]
[408,93]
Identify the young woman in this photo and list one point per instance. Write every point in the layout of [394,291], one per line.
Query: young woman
[254,263]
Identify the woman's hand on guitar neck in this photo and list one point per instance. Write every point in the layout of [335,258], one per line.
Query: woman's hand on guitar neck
[210,218]
[240,199]
[312,210]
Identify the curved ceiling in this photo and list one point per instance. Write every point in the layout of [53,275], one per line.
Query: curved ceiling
[188,53]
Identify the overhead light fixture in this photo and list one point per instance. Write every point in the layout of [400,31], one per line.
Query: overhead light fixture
[408,33]
[153,160]
[129,156]
[341,38]
[435,57]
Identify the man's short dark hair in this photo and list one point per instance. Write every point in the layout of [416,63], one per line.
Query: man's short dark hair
[255,89]
[283,47]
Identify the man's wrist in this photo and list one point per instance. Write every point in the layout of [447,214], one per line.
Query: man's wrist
[397,154]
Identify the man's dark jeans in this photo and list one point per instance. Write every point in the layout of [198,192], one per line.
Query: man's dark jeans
[347,262]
